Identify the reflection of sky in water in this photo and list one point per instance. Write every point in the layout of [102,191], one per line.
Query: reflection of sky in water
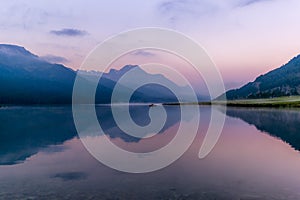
[245,163]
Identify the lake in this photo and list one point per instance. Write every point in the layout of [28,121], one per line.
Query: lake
[256,157]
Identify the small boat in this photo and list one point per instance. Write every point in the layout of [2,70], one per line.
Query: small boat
[151,105]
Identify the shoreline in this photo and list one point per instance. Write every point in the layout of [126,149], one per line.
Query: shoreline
[279,102]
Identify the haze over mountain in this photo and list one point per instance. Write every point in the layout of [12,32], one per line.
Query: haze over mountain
[26,78]
[283,81]
[156,91]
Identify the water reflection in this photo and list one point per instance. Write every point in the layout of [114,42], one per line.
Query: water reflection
[139,114]
[24,131]
[281,123]
[245,163]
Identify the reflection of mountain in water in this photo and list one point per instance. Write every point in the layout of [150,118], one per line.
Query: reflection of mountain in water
[283,124]
[24,131]
[139,115]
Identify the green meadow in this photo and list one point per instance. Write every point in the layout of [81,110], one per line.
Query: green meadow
[290,101]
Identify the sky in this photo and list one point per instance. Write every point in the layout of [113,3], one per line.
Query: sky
[244,38]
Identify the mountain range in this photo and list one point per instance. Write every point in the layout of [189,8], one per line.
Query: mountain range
[283,81]
[26,78]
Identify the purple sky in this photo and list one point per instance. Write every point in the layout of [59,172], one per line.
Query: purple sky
[244,38]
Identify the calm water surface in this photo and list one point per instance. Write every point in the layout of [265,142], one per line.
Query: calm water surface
[257,157]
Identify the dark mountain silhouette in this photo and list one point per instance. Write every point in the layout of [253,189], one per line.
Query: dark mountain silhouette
[283,81]
[26,78]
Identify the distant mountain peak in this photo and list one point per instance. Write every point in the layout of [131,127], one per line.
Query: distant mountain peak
[124,69]
[15,50]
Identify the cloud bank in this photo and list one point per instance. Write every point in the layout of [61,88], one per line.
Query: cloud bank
[54,59]
[143,53]
[69,32]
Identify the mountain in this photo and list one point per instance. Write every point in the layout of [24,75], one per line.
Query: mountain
[26,78]
[158,93]
[283,81]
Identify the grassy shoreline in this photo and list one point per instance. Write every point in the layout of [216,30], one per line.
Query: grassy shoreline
[278,102]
